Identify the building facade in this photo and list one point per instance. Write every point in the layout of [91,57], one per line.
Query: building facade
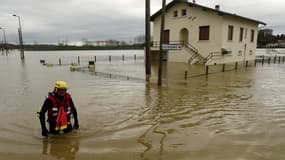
[206,35]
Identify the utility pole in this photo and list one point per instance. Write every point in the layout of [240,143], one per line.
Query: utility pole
[20,37]
[147,40]
[163,10]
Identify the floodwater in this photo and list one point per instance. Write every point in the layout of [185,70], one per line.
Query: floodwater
[233,115]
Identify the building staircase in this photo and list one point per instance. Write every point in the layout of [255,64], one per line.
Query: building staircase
[194,55]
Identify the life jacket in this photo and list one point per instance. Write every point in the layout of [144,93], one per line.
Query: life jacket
[56,104]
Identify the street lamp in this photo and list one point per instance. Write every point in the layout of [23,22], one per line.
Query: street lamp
[20,37]
[5,42]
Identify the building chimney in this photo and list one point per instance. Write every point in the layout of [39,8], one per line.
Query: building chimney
[217,7]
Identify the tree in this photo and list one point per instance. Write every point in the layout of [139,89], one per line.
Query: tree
[265,37]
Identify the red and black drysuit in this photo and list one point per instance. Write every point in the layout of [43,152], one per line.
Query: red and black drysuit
[51,105]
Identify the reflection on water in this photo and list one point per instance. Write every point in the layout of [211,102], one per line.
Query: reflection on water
[61,147]
[228,115]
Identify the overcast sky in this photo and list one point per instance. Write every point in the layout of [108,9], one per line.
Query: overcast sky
[48,21]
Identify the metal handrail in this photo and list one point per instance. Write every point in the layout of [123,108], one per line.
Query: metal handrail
[192,58]
[211,55]
[185,44]
[194,49]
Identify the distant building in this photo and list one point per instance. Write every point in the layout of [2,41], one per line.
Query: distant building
[206,35]
[75,43]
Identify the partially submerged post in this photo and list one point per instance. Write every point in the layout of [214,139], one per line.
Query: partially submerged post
[207,70]
[2,47]
[274,59]
[78,60]
[91,65]
[42,61]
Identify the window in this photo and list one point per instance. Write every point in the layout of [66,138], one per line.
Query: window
[184,12]
[241,34]
[230,33]
[204,33]
[175,13]
[252,36]
[166,36]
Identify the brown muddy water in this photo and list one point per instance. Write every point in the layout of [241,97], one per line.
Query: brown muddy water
[235,115]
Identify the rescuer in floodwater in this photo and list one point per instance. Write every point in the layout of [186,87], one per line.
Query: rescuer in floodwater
[60,107]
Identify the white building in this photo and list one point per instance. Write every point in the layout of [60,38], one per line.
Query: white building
[206,35]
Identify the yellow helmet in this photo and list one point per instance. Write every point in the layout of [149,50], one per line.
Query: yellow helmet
[60,85]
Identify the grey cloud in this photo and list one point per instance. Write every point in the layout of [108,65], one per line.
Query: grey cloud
[53,20]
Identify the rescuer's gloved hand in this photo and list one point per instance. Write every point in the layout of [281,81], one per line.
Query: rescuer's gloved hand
[76,126]
[45,132]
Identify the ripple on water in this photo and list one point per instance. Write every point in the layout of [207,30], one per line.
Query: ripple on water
[206,111]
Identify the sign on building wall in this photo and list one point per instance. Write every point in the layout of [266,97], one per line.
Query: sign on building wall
[171,47]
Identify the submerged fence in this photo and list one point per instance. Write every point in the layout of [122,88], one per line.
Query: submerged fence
[118,72]
[219,68]
[112,75]
[71,60]
[111,62]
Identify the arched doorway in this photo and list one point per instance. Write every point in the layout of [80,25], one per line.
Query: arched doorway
[184,35]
